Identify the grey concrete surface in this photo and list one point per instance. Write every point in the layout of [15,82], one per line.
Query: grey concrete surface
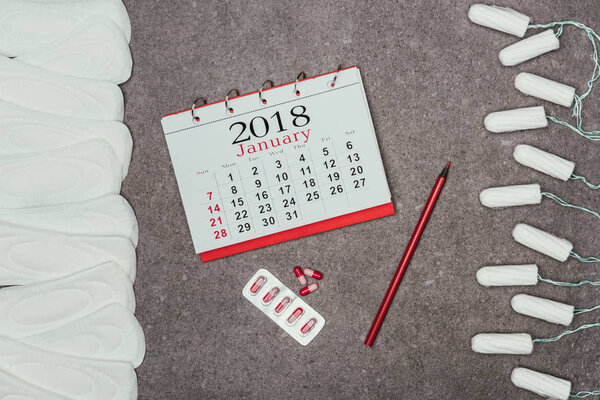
[431,76]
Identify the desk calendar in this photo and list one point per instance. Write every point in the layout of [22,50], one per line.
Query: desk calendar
[288,162]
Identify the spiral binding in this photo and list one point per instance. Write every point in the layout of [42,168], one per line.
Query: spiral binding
[229,110]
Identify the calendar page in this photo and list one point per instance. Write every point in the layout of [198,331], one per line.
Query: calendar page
[296,160]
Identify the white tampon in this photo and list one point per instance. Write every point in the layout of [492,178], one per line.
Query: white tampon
[529,48]
[500,18]
[502,343]
[543,384]
[508,275]
[548,310]
[507,196]
[541,241]
[517,119]
[545,89]
[543,161]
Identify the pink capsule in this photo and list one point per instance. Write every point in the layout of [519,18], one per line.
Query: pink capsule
[295,315]
[270,295]
[260,281]
[313,274]
[308,289]
[300,276]
[282,305]
[308,326]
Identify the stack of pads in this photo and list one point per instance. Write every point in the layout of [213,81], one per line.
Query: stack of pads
[67,238]
[515,23]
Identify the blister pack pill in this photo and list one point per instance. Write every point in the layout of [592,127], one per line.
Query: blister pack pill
[283,306]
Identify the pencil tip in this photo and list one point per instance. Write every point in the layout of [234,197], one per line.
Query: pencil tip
[448,165]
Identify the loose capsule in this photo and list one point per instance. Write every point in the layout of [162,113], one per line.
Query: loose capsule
[270,295]
[313,274]
[260,281]
[282,305]
[300,276]
[308,289]
[308,326]
[295,315]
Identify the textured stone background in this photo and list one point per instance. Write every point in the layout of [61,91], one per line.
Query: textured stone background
[431,76]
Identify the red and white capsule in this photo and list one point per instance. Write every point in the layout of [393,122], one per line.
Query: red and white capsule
[270,295]
[295,315]
[258,283]
[308,326]
[308,289]
[300,276]
[313,274]
[279,308]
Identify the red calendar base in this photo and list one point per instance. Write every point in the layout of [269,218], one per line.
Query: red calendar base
[301,231]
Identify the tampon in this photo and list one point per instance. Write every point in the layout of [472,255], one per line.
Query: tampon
[543,384]
[508,275]
[529,48]
[548,310]
[502,343]
[507,196]
[541,241]
[545,89]
[517,119]
[543,161]
[500,18]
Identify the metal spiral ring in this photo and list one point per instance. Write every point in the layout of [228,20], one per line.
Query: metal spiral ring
[227,108]
[296,91]
[332,84]
[263,101]
[195,118]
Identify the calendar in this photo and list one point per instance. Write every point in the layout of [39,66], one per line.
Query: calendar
[275,165]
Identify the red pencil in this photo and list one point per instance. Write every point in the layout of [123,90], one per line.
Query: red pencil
[410,249]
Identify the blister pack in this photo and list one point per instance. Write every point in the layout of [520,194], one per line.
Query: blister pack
[283,306]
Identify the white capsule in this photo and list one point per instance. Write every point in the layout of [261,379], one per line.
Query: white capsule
[518,119]
[508,275]
[502,343]
[543,161]
[529,48]
[543,384]
[541,241]
[508,196]
[545,89]
[500,18]
[548,310]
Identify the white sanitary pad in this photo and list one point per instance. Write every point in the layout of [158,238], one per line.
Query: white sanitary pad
[29,256]
[96,49]
[27,25]
[83,171]
[32,309]
[74,377]
[107,216]
[111,333]
[23,130]
[54,93]
[12,388]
